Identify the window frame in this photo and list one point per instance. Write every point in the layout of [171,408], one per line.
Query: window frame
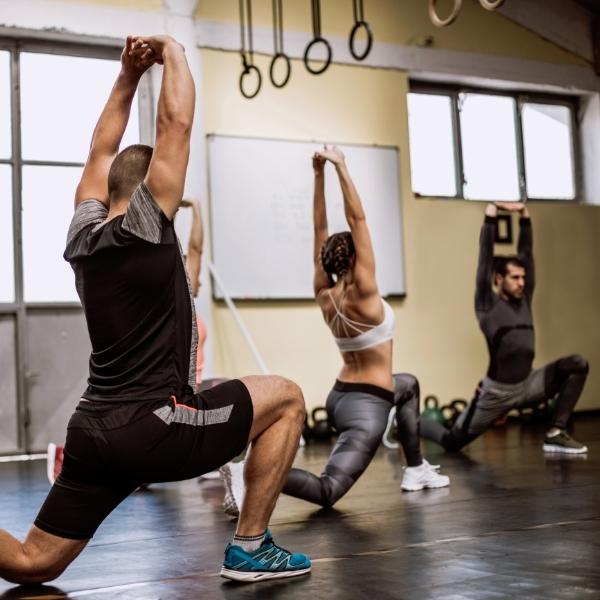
[100,48]
[521,97]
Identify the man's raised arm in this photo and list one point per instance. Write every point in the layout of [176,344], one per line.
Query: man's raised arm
[167,170]
[485,264]
[112,124]
[525,250]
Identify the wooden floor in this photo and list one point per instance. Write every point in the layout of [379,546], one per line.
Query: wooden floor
[513,524]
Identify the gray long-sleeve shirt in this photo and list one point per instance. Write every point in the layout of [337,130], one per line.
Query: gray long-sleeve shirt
[506,324]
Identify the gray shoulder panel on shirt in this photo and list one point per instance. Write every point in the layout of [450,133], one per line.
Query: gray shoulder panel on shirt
[143,217]
[88,212]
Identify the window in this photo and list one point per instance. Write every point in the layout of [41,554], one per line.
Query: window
[61,97]
[7,273]
[484,145]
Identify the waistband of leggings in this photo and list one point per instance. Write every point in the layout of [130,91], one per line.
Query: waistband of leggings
[505,387]
[366,388]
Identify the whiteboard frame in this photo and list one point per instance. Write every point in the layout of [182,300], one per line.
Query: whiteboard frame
[217,295]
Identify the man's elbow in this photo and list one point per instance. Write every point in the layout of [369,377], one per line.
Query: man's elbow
[176,124]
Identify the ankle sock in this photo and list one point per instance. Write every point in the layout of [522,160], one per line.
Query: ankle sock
[249,543]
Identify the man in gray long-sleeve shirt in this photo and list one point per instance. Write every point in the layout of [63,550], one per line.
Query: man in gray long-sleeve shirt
[505,318]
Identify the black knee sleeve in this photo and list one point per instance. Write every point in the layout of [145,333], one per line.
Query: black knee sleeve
[575,363]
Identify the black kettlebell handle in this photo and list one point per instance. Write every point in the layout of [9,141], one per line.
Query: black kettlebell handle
[316,411]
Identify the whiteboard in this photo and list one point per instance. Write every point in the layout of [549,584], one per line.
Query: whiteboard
[261,202]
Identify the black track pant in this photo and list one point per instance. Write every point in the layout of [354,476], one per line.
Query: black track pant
[563,378]
[359,413]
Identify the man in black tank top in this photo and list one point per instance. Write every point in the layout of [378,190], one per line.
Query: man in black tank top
[505,318]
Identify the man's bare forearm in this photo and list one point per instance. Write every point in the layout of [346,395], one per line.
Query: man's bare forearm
[178,94]
[115,115]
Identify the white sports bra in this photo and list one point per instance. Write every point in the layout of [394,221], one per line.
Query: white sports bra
[372,336]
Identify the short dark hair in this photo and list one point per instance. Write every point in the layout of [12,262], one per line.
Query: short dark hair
[128,170]
[337,254]
[501,264]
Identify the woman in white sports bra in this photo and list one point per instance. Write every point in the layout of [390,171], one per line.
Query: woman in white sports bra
[362,324]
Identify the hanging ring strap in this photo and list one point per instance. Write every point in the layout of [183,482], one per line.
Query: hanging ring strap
[438,21]
[247,56]
[491,4]
[317,39]
[360,23]
[278,47]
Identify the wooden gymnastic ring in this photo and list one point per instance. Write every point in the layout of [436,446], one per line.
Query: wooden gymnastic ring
[357,26]
[246,71]
[491,4]
[437,21]
[318,40]
[288,71]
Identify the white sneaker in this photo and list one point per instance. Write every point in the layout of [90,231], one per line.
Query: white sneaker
[423,476]
[235,490]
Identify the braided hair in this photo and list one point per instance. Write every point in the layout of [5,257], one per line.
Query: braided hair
[337,254]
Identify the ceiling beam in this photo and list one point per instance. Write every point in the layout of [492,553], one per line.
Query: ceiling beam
[562,22]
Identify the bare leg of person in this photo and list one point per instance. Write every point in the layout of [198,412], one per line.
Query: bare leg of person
[40,558]
[278,417]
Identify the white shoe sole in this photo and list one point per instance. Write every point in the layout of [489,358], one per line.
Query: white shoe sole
[252,577]
[563,450]
[417,487]
[50,460]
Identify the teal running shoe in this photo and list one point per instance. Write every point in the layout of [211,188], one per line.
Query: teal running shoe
[267,562]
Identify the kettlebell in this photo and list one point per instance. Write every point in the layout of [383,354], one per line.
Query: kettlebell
[432,409]
[457,406]
[448,414]
[321,429]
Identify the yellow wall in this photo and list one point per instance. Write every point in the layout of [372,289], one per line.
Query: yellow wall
[437,337]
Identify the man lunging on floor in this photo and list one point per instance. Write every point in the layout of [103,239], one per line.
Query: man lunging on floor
[505,318]
[139,420]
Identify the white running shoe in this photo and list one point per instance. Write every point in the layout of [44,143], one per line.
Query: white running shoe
[423,476]
[54,462]
[235,490]
[210,475]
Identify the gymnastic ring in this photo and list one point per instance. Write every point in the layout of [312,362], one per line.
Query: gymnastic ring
[288,66]
[491,4]
[437,21]
[246,71]
[327,61]
[353,33]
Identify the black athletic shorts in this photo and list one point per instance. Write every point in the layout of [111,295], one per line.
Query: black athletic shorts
[111,450]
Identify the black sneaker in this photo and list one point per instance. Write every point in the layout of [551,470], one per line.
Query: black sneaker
[563,442]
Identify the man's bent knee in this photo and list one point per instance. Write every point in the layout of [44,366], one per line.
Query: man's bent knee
[575,363]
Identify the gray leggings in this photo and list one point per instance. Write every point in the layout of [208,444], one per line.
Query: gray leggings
[563,378]
[359,413]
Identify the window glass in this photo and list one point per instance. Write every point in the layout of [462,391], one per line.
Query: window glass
[489,147]
[61,100]
[431,145]
[48,194]
[5,112]
[547,140]
[7,273]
